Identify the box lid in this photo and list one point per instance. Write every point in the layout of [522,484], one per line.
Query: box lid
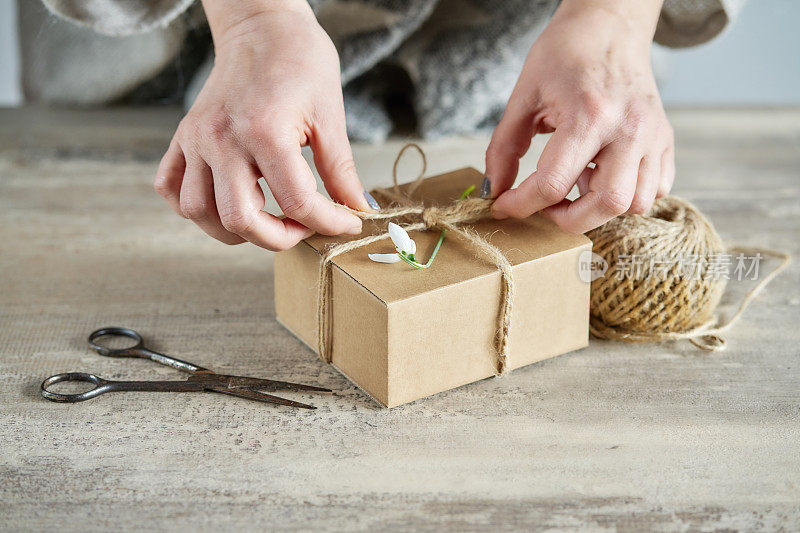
[519,240]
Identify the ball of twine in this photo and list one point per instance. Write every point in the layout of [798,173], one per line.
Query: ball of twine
[660,282]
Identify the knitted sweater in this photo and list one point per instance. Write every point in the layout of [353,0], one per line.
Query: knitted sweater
[456,61]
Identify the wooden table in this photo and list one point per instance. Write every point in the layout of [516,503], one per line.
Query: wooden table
[614,436]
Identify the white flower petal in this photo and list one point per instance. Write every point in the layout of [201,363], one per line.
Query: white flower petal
[385,258]
[413,246]
[401,239]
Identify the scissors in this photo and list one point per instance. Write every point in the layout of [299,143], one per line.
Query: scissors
[201,379]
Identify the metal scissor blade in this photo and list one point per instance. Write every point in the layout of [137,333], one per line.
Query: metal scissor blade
[233,382]
[260,396]
[271,384]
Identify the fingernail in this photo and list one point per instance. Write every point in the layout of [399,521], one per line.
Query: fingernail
[486,188]
[371,201]
[355,230]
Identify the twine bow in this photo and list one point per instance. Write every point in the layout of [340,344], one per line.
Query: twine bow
[453,218]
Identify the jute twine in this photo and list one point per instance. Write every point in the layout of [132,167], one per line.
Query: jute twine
[673,292]
[452,218]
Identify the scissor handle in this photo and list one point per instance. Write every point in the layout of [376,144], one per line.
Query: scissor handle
[102,387]
[137,350]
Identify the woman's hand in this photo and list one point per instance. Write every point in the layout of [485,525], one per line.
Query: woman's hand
[588,80]
[275,87]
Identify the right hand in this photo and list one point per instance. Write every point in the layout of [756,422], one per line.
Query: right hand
[274,88]
[588,80]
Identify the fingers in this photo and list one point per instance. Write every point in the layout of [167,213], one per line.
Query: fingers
[170,175]
[647,184]
[216,187]
[239,203]
[563,160]
[333,158]
[510,141]
[197,201]
[611,191]
[295,189]
[667,172]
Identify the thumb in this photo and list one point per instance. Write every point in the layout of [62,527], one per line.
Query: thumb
[333,158]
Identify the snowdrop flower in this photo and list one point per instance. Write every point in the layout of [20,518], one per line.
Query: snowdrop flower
[402,242]
[385,258]
[406,247]
[401,239]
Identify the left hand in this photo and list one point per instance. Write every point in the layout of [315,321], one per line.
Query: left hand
[588,80]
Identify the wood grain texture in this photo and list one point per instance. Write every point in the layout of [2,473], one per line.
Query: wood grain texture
[615,436]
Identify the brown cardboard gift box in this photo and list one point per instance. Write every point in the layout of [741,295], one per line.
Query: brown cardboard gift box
[401,334]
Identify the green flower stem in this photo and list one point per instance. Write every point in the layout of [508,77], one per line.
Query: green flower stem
[411,260]
[467,192]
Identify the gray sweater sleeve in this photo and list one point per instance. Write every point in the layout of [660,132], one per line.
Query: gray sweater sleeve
[119,17]
[685,23]
[682,23]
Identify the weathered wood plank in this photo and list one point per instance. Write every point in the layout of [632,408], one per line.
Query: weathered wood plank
[612,437]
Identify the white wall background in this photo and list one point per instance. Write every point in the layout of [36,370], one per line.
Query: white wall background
[756,62]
